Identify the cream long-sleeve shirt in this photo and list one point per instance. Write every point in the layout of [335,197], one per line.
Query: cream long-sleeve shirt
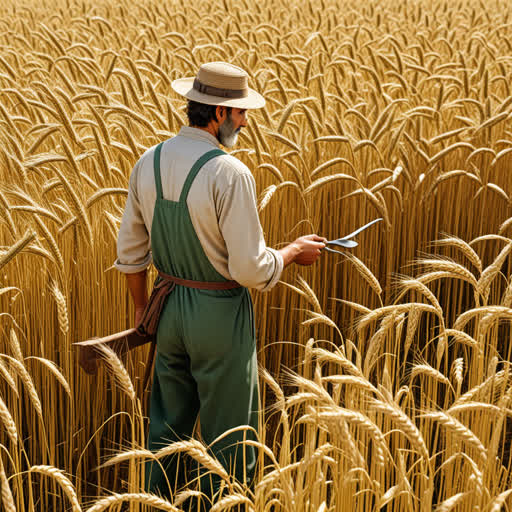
[222,206]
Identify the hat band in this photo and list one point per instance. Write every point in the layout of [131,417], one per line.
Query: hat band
[216,91]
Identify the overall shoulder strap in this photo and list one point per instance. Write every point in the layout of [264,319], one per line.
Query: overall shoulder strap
[195,169]
[156,168]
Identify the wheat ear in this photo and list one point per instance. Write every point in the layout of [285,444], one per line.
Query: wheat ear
[17,248]
[458,370]
[450,503]
[56,372]
[145,499]
[366,273]
[484,283]
[4,371]
[193,448]
[233,500]
[62,308]
[118,369]
[6,493]
[498,502]
[8,422]
[185,495]
[460,430]
[63,481]
[20,369]
[405,424]
[464,247]
[365,423]
[426,369]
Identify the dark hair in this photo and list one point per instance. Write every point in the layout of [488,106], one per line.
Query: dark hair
[200,114]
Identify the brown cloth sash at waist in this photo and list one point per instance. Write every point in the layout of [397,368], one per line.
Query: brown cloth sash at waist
[145,331]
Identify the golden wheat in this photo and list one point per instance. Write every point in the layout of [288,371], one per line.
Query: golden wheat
[396,110]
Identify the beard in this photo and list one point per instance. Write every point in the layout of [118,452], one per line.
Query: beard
[228,135]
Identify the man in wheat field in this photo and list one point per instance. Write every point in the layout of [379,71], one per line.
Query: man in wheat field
[192,209]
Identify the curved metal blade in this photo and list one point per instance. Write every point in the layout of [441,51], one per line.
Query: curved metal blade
[342,242]
[357,231]
[345,242]
[332,250]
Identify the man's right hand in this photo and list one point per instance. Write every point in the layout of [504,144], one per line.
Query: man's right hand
[303,251]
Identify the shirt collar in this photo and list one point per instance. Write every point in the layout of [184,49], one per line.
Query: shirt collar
[198,134]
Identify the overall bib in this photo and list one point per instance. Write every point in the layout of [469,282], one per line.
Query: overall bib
[205,351]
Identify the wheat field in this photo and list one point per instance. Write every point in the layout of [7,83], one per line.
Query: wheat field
[385,369]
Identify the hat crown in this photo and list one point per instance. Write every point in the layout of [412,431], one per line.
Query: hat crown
[223,76]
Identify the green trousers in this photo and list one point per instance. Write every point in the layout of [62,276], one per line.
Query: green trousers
[206,358]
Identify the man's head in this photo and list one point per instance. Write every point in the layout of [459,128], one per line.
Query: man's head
[219,96]
[223,122]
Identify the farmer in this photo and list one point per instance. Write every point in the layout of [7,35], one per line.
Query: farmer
[191,208]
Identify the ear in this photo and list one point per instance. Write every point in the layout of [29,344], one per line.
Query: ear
[221,113]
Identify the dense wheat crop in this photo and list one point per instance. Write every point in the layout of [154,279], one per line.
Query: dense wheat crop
[386,377]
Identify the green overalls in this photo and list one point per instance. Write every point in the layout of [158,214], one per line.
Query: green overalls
[206,353]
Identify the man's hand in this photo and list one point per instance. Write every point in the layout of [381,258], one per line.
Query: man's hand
[303,251]
[311,247]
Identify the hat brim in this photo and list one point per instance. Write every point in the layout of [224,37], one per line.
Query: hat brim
[184,87]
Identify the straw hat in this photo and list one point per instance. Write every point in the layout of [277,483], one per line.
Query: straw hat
[219,83]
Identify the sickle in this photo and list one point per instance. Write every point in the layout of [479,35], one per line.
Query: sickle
[345,241]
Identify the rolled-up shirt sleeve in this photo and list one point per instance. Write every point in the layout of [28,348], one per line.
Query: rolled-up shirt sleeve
[250,261]
[133,242]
